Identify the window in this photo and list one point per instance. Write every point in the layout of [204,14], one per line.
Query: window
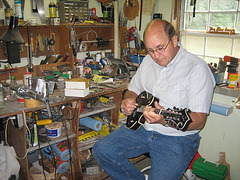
[210,13]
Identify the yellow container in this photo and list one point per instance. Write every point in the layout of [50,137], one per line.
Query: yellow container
[232,80]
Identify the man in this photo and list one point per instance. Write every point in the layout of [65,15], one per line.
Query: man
[177,78]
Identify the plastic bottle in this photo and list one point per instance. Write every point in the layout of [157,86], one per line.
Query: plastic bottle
[52,9]
[2,102]
[18,9]
[13,83]
[223,161]
[26,76]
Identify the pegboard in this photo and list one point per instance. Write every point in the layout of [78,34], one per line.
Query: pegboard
[87,33]
[61,38]
[61,46]
[97,37]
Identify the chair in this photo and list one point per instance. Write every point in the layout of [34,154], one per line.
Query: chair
[187,175]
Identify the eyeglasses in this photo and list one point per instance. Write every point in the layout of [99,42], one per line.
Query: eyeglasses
[158,49]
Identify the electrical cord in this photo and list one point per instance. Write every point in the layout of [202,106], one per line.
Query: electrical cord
[69,145]
[25,123]
[87,35]
[39,147]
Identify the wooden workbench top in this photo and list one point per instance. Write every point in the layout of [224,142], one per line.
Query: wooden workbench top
[15,107]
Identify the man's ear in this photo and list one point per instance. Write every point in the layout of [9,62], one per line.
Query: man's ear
[175,40]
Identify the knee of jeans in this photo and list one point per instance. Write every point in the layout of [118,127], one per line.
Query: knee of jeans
[95,149]
[99,149]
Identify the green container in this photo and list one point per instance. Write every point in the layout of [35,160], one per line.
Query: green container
[209,170]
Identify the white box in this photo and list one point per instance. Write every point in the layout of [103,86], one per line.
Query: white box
[77,83]
[76,92]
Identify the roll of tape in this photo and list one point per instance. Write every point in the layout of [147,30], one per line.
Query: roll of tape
[83,47]
[220,108]
[91,123]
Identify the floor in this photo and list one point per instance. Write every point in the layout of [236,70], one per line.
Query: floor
[145,163]
[140,165]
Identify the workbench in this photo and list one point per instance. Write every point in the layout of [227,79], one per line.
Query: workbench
[16,137]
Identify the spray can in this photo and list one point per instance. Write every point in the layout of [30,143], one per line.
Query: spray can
[52,9]
[62,150]
[56,161]
[18,9]
[94,11]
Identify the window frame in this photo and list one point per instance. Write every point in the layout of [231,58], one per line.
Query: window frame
[203,33]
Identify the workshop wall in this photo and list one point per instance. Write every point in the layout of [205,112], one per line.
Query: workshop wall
[164,7]
[221,133]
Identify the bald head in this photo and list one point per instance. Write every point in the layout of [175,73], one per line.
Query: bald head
[159,26]
[161,41]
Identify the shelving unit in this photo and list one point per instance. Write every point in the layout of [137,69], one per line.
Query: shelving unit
[98,109]
[63,137]
[17,136]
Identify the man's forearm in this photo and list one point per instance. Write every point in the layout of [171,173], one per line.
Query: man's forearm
[130,94]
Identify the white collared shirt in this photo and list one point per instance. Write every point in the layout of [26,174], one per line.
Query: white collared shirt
[186,82]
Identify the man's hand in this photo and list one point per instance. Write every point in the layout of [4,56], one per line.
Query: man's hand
[128,105]
[151,116]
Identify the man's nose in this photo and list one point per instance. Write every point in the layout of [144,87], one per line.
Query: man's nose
[156,54]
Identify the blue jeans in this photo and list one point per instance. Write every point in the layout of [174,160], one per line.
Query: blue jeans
[170,155]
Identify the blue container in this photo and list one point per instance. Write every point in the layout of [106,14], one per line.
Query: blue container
[56,161]
[62,150]
[134,58]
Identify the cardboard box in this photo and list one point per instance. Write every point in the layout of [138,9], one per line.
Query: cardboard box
[76,92]
[77,83]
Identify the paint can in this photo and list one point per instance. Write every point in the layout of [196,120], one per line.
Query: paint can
[54,130]
[232,79]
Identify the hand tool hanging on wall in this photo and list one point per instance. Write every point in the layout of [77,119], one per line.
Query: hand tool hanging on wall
[40,43]
[140,21]
[32,44]
[36,50]
[74,42]
[137,42]
[41,11]
[130,9]
[29,52]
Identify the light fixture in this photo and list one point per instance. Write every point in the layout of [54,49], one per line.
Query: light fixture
[12,35]
[12,38]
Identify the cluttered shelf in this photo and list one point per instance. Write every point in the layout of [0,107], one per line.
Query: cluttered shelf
[15,108]
[98,109]
[223,90]
[88,24]
[63,137]
[227,84]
